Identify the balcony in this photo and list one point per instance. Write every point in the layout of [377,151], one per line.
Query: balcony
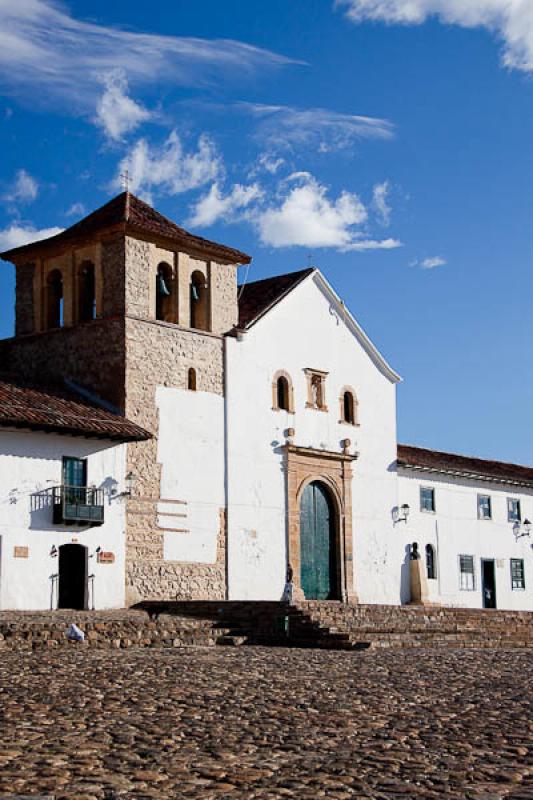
[77,505]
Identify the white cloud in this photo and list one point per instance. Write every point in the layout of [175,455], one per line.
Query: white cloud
[168,168]
[46,54]
[305,216]
[510,20]
[76,210]
[284,126]
[214,205]
[308,218]
[23,190]
[269,163]
[380,196]
[374,244]
[429,263]
[17,235]
[116,112]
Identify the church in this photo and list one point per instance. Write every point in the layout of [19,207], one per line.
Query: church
[166,433]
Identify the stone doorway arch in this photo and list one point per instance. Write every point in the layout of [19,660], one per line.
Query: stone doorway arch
[333,471]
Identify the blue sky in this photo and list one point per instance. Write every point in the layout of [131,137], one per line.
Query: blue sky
[387,142]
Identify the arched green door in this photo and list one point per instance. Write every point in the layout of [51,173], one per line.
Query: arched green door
[317,544]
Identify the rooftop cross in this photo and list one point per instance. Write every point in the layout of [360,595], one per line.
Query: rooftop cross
[125,177]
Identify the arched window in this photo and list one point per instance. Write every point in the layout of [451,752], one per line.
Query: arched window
[163,293]
[282,393]
[191,379]
[54,300]
[87,292]
[430,562]
[348,406]
[199,312]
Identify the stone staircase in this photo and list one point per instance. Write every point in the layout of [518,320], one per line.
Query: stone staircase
[414,626]
[329,625]
[339,626]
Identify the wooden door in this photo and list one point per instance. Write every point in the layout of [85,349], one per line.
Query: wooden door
[317,544]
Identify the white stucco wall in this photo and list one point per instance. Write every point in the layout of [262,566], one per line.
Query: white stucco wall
[31,462]
[304,331]
[454,529]
[191,454]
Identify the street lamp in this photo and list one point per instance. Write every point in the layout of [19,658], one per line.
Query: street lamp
[401,514]
[520,531]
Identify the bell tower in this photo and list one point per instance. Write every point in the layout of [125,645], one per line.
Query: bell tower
[120,304]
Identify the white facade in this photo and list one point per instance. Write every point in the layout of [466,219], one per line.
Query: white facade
[30,465]
[455,529]
[306,330]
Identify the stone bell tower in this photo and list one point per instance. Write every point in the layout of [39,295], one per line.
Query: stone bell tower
[118,304]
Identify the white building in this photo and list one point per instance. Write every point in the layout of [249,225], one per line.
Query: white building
[273,448]
[62,520]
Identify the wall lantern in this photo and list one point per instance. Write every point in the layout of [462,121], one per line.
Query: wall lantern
[401,514]
[130,481]
[521,530]
[53,551]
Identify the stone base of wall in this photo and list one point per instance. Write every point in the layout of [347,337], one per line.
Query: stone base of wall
[175,580]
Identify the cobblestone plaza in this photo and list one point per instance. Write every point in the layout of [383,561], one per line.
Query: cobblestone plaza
[254,722]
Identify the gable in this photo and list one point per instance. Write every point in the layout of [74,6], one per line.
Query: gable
[258,301]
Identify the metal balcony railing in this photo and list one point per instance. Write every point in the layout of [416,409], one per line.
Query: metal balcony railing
[77,504]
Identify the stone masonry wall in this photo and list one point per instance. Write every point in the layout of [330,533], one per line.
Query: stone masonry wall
[224,306]
[160,354]
[24,309]
[113,274]
[91,354]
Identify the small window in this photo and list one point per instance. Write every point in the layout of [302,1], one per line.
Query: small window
[484,506]
[430,562]
[283,393]
[514,512]
[191,379]
[348,407]
[427,498]
[518,578]
[467,578]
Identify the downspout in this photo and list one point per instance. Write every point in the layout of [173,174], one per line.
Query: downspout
[226,462]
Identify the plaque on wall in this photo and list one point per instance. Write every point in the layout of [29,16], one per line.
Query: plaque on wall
[21,552]
[106,557]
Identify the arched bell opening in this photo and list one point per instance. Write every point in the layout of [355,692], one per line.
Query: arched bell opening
[199,301]
[87,292]
[54,300]
[163,293]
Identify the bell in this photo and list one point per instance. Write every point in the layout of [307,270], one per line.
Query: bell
[162,288]
[194,292]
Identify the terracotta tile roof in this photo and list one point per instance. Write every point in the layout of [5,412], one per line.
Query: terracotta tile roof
[135,215]
[465,466]
[256,298]
[58,410]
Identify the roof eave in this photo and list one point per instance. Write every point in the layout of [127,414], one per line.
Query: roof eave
[63,430]
[360,334]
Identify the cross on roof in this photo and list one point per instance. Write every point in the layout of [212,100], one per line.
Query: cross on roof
[125,177]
